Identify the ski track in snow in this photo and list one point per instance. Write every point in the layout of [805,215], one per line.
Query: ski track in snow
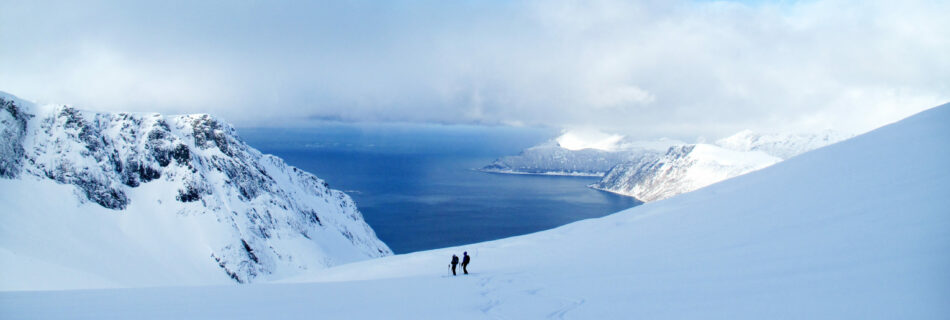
[570,305]
[486,292]
[493,289]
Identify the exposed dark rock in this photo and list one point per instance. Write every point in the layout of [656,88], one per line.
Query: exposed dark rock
[208,131]
[250,252]
[12,131]
[73,119]
[312,216]
[102,193]
[164,156]
[223,265]
[190,194]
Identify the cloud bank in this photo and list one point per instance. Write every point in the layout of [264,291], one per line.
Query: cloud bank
[648,68]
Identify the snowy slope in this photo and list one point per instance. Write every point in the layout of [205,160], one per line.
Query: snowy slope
[680,170]
[856,230]
[689,167]
[104,200]
[782,145]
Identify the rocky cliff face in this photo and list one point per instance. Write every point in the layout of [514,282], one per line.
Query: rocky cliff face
[195,166]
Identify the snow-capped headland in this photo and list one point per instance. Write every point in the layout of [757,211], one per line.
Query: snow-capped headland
[125,200]
[580,153]
[658,169]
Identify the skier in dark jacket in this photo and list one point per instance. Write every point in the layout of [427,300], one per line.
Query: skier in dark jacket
[465,261]
[455,261]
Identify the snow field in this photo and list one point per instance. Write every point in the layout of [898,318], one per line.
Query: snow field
[855,230]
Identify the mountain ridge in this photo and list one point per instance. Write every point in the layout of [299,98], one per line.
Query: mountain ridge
[269,218]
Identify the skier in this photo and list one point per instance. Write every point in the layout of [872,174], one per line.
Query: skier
[465,261]
[455,261]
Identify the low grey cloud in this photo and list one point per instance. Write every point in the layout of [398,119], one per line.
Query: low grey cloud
[648,68]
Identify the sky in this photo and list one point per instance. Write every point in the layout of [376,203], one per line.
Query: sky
[650,68]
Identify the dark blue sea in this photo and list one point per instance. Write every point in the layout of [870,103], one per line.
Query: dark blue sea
[417,186]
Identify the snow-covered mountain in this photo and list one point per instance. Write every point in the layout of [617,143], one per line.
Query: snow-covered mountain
[682,169]
[579,154]
[689,167]
[145,199]
[856,230]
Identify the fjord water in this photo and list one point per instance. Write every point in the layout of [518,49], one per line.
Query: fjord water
[418,188]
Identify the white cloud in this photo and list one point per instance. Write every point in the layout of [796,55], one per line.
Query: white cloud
[580,139]
[619,96]
[674,68]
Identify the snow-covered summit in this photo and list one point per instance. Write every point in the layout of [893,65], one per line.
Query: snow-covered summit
[206,207]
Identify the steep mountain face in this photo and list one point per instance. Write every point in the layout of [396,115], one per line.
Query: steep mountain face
[251,215]
[681,169]
[782,145]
